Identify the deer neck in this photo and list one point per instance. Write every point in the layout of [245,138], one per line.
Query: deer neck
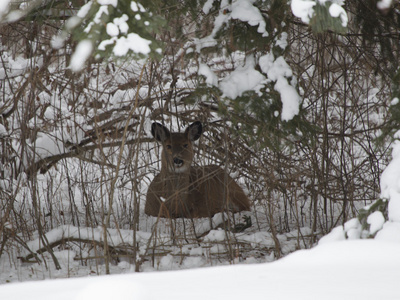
[176,183]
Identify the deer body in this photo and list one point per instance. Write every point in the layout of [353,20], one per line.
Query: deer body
[181,190]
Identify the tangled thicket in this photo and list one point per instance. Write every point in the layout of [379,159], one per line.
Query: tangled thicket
[75,147]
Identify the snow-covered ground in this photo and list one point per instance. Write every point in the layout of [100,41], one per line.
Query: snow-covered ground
[156,250]
[360,269]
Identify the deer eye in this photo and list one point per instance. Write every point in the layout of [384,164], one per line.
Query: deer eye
[168,146]
[185,145]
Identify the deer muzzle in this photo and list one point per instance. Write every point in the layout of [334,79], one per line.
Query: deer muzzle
[178,162]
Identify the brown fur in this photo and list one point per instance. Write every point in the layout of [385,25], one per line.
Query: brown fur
[182,190]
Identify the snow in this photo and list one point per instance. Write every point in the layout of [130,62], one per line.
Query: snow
[390,232]
[278,70]
[243,78]
[49,144]
[4,6]
[258,239]
[282,41]
[245,11]
[303,9]
[376,221]
[80,55]
[337,234]
[112,29]
[246,77]
[211,78]
[3,130]
[123,44]
[289,97]
[353,229]
[390,184]
[121,23]
[110,289]
[340,270]
[242,10]
[73,22]
[102,10]
[128,41]
[207,6]
[84,10]
[137,6]
[108,2]
[215,236]
[132,42]
[115,237]
[18,66]
[384,4]
[336,11]
[57,42]
[205,42]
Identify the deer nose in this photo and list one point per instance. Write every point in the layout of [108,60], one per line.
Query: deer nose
[178,161]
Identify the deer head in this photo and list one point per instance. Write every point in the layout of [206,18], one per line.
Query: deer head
[177,154]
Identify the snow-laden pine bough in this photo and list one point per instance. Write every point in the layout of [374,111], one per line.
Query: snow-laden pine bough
[181,190]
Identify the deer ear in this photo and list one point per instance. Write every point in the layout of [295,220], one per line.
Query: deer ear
[194,131]
[160,132]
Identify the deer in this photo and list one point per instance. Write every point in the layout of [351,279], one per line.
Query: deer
[181,190]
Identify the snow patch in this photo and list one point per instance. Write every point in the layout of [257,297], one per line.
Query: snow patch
[207,6]
[108,2]
[336,11]
[121,23]
[80,55]
[112,29]
[337,234]
[303,9]
[57,42]
[84,10]
[278,70]
[4,6]
[390,184]
[245,11]
[353,229]
[123,44]
[211,78]
[376,221]
[384,4]
[242,79]
[215,236]
[390,232]
[137,7]
[3,130]
[121,289]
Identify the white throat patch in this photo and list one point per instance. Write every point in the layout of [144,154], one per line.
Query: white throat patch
[182,169]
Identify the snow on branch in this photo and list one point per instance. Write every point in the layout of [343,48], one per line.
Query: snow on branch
[242,10]
[111,28]
[321,15]
[279,71]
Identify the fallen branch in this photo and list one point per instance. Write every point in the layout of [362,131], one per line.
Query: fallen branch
[44,164]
